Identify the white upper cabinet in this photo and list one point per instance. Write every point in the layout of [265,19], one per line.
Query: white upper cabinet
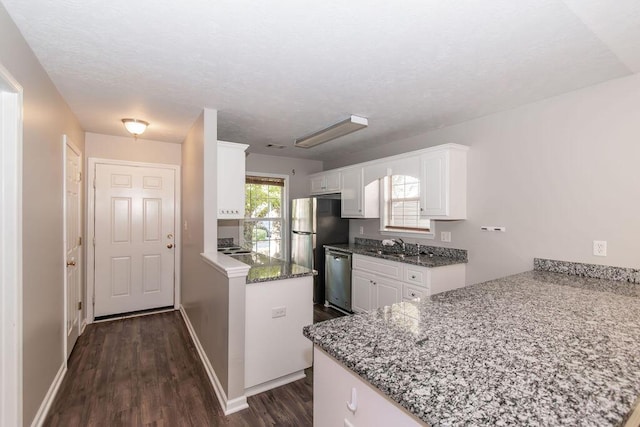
[396,165]
[325,182]
[442,171]
[231,179]
[443,183]
[359,200]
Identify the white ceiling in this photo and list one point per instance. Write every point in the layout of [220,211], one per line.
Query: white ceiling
[278,70]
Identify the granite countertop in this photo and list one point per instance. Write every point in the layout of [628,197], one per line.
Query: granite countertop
[264,268]
[536,348]
[424,260]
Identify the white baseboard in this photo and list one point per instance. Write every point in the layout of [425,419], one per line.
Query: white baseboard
[43,411]
[260,388]
[83,326]
[228,406]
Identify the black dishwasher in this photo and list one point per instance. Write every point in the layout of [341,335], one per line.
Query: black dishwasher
[338,279]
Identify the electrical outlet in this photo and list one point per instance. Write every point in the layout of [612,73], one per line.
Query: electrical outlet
[445,236]
[600,247]
[278,312]
[361,230]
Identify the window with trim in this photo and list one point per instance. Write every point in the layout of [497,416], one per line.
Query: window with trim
[264,221]
[401,210]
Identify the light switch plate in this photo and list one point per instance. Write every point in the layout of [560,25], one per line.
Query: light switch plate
[445,236]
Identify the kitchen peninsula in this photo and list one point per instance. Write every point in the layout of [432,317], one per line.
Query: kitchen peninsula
[545,347]
[278,303]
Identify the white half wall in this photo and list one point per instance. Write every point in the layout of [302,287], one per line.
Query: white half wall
[557,174]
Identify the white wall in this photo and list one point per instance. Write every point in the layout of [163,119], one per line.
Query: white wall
[126,148]
[298,171]
[557,173]
[46,118]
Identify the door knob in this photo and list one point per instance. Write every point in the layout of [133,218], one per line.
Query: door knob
[71,263]
[170,245]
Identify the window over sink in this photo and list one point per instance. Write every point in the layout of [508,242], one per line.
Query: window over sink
[400,206]
[265,213]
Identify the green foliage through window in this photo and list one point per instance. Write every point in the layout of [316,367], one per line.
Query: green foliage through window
[263,224]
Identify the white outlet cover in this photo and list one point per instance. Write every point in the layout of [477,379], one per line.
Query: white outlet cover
[445,236]
[600,247]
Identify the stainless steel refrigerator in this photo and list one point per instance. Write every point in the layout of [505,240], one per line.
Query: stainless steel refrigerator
[316,222]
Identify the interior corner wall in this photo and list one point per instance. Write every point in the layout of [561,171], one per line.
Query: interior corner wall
[46,118]
[557,174]
[127,149]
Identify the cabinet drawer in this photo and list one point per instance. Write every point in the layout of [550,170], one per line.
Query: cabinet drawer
[380,266]
[412,292]
[416,275]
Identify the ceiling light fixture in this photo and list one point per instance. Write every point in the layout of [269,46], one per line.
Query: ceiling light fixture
[135,127]
[345,127]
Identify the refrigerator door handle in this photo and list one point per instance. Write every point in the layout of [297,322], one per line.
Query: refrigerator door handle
[304,233]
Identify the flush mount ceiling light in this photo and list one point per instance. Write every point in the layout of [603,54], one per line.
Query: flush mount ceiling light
[135,127]
[345,127]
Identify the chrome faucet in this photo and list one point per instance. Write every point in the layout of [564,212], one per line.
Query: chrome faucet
[400,243]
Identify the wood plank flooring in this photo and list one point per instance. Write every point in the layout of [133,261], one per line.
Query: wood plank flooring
[145,371]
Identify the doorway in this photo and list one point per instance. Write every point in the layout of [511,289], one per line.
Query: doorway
[133,257]
[10,250]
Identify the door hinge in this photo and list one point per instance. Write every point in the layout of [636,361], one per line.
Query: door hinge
[94,183]
[94,241]
[79,176]
[79,305]
[80,241]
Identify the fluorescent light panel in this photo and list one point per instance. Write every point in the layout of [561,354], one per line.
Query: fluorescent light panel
[342,128]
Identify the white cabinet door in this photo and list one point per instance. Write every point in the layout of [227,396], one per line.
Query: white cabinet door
[434,185]
[231,179]
[361,284]
[325,183]
[334,385]
[352,193]
[443,183]
[387,292]
[332,182]
[318,184]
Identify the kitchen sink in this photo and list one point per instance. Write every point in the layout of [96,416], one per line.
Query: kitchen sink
[234,250]
[387,253]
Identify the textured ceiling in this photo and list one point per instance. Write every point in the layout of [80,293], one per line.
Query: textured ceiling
[276,71]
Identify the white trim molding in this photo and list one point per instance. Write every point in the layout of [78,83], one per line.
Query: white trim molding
[11,125]
[90,227]
[43,411]
[228,406]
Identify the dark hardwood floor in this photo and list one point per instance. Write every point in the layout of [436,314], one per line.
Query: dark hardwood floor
[322,313]
[145,371]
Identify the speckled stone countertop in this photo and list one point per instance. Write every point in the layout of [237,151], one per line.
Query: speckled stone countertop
[416,259]
[264,268]
[537,348]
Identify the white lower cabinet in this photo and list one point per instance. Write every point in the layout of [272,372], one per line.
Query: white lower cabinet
[379,282]
[341,398]
[369,291]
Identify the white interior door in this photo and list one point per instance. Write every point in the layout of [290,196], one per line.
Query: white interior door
[73,178]
[134,238]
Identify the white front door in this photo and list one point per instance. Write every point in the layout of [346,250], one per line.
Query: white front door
[72,243]
[134,238]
